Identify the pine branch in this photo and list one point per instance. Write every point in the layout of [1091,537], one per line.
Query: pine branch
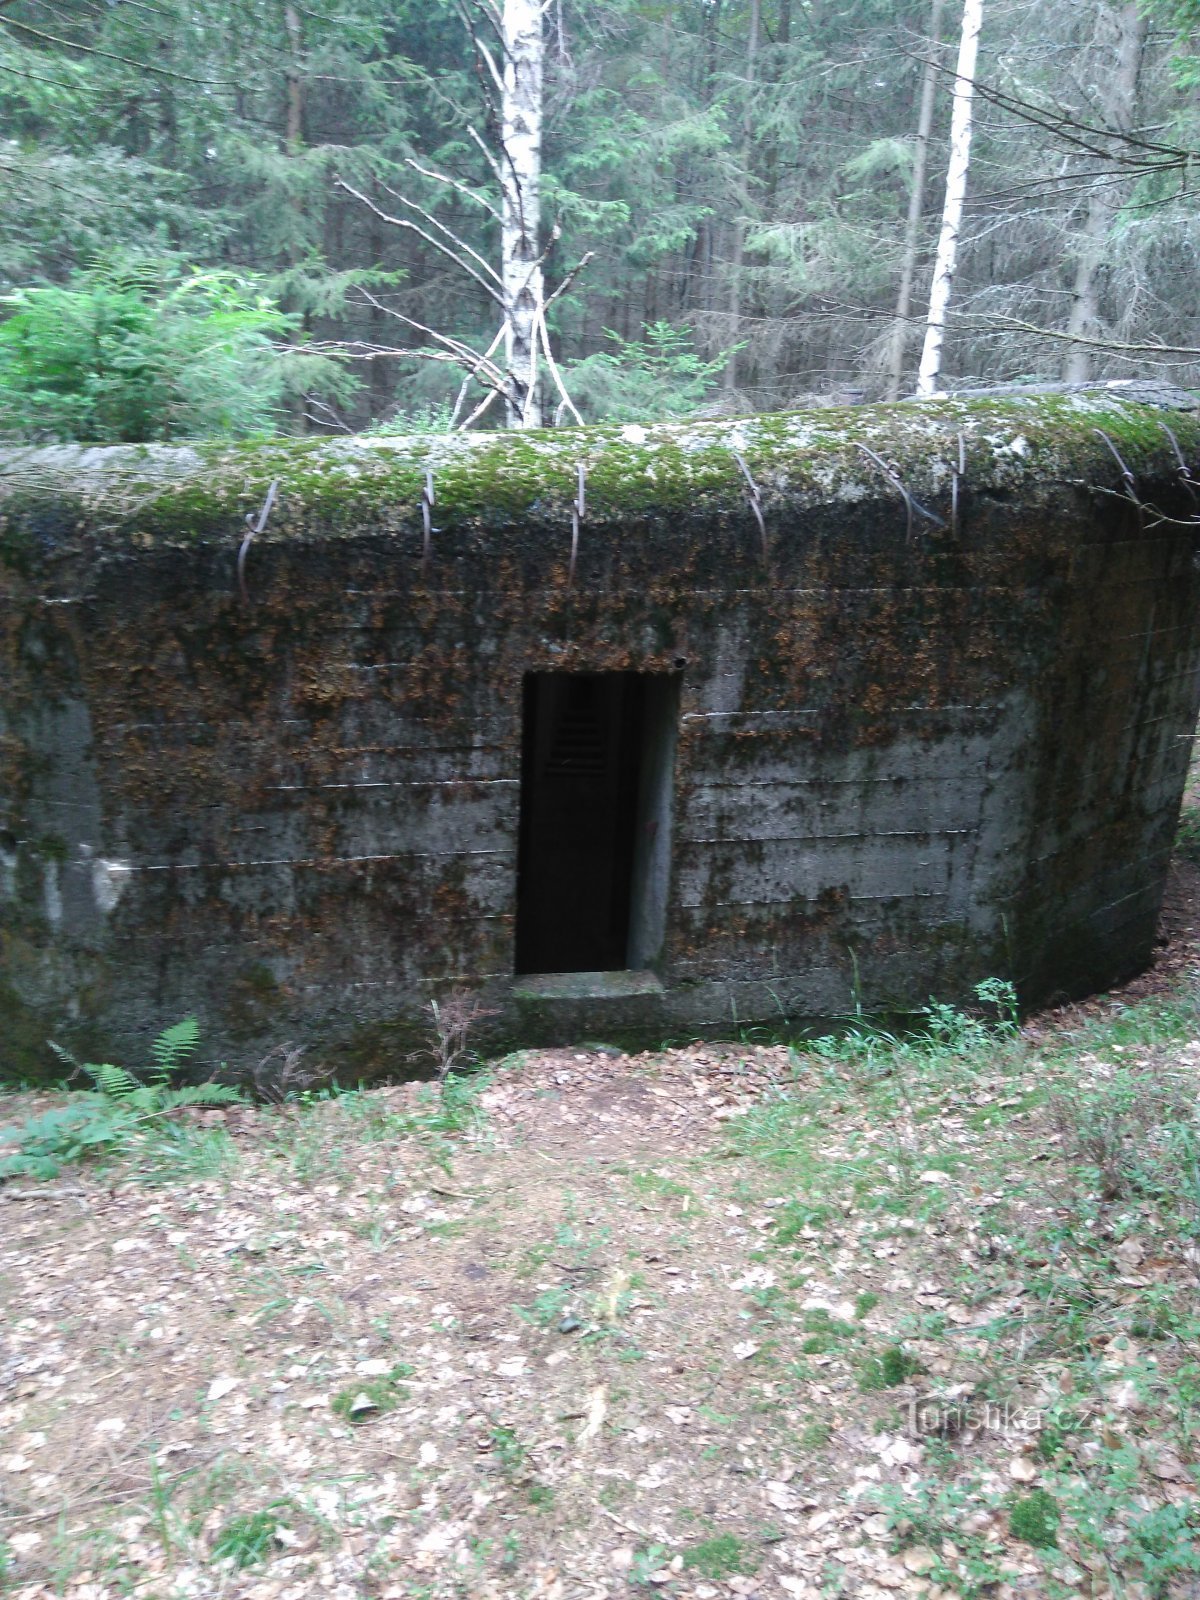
[109,55]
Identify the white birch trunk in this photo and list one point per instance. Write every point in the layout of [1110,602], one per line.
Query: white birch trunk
[1104,197]
[916,207]
[520,179]
[956,188]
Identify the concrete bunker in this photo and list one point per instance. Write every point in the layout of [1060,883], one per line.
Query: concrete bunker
[866,704]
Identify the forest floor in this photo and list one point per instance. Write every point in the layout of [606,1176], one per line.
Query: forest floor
[878,1318]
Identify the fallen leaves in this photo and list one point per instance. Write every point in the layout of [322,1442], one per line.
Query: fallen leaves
[687,1385]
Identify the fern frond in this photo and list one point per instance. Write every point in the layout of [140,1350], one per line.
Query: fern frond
[65,1056]
[113,1082]
[175,1044]
[200,1094]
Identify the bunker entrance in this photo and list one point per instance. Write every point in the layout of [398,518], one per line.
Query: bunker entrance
[597,761]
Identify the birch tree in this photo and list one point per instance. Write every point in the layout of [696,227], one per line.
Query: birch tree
[956,189]
[515,90]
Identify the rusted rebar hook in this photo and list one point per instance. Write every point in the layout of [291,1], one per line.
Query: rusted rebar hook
[1127,477]
[578,512]
[959,473]
[428,499]
[255,527]
[911,503]
[1184,476]
[756,504]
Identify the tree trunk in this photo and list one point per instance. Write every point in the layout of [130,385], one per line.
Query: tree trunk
[1104,197]
[916,206]
[739,225]
[956,188]
[293,139]
[783,36]
[294,122]
[521,162]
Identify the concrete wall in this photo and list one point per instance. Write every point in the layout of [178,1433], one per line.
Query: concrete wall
[909,756]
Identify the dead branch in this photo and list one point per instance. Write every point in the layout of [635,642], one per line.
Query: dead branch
[552,366]
[453,183]
[466,383]
[566,283]
[435,222]
[405,222]
[1000,324]
[457,347]
[479,409]
[483,368]
[497,169]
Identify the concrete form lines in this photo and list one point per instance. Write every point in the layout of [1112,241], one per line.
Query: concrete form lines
[312,861]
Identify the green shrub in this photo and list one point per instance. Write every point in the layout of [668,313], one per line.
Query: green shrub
[1187,837]
[639,380]
[374,1397]
[1164,1541]
[142,349]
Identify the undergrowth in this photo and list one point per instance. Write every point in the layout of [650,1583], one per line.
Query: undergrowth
[119,1116]
[1071,1160]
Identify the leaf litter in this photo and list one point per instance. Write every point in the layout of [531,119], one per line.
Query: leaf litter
[659,1324]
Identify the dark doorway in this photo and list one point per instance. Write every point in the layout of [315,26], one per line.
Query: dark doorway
[596,766]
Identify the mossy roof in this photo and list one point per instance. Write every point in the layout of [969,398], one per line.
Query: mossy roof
[680,471]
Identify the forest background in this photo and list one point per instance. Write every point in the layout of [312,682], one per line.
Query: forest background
[212,176]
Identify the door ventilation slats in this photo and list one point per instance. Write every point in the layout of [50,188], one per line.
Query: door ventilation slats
[578,744]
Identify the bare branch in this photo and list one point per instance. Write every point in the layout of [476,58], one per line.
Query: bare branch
[1080,135]
[454,183]
[404,222]
[532,383]
[493,13]
[435,222]
[466,383]
[570,278]
[1001,324]
[479,410]
[481,50]
[459,352]
[552,365]
[497,169]
[330,419]
[977,322]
